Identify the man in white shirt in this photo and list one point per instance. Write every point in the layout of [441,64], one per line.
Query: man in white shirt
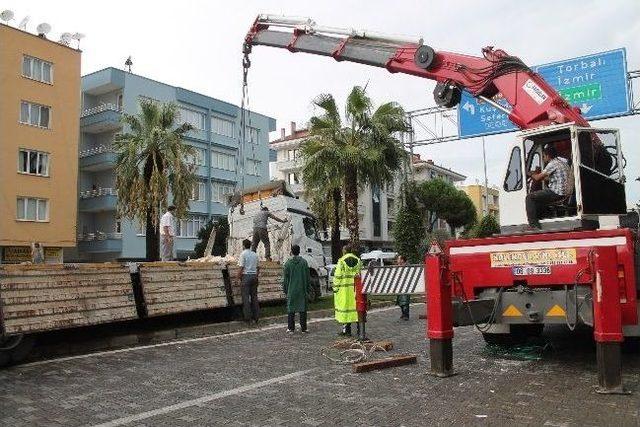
[248,276]
[167,233]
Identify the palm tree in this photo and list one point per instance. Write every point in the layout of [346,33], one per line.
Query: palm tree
[362,150]
[152,160]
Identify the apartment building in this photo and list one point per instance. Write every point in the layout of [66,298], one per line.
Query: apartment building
[106,95]
[486,201]
[40,88]
[376,206]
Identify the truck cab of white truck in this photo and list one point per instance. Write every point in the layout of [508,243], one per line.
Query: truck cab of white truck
[299,228]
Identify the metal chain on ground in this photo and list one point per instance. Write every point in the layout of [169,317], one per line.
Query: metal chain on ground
[356,353]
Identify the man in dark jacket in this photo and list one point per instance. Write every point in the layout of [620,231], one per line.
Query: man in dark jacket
[295,284]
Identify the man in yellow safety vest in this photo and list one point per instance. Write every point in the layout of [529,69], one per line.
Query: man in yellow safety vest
[344,296]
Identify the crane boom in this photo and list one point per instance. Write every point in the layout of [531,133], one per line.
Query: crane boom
[533,101]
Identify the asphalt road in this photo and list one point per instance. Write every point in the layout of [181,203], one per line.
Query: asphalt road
[262,376]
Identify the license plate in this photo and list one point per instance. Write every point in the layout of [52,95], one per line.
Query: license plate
[529,270]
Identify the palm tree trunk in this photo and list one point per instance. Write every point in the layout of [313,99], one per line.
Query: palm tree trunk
[336,194]
[152,238]
[351,206]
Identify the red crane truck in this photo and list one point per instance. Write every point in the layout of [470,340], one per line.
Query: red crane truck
[580,268]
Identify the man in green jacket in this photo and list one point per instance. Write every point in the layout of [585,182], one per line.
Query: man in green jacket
[295,285]
[344,295]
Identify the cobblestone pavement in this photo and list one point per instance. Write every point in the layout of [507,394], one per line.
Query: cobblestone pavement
[266,377]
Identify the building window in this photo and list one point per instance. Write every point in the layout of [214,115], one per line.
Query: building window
[117,227]
[293,154]
[32,209]
[223,161]
[37,69]
[222,127]
[252,135]
[198,192]
[33,162]
[194,118]
[34,114]
[190,226]
[391,207]
[197,158]
[219,191]
[253,167]
[293,178]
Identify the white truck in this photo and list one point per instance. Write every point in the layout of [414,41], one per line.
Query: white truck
[299,228]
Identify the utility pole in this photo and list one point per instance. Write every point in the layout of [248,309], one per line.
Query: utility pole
[485,208]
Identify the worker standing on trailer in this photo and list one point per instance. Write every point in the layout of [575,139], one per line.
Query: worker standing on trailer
[167,231]
[260,233]
[556,172]
[344,296]
[295,284]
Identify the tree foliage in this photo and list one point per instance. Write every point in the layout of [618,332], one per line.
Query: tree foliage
[220,243]
[347,154]
[445,201]
[408,230]
[151,162]
[487,227]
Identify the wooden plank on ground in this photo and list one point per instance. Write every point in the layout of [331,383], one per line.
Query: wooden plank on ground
[387,362]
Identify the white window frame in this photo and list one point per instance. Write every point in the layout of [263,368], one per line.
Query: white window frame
[39,155]
[253,135]
[228,161]
[195,222]
[219,130]
[29,112]
[255,170]
[38,201]
[201,188]
[200,114]
[219,190]
[34,62]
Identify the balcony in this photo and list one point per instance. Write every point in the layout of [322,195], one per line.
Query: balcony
[103,118]
[100,242]
[98,200]
[288,165]
[97,159]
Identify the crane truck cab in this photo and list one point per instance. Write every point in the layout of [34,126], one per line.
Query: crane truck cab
[299,228]
[597,198]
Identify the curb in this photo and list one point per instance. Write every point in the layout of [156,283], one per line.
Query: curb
[125,340]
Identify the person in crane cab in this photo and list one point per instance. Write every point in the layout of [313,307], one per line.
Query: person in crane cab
[260,233]
[557,174]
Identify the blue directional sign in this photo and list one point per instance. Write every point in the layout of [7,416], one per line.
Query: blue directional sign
[596,83]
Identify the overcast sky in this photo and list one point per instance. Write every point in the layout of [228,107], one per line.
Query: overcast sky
[197,45]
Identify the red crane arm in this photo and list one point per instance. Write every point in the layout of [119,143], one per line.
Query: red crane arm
[533,101]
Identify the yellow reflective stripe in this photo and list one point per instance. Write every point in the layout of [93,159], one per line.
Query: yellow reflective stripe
[345,311]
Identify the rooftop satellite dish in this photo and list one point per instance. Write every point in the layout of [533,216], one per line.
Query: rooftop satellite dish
[6,15]
[23,23]
[43,29]
[77,37]
[65,39]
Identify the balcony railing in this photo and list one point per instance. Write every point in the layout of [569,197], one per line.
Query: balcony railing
[98,235]
[98,192]
[100,108]
[96,150]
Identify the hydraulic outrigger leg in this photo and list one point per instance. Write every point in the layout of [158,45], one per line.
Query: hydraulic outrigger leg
[439,317]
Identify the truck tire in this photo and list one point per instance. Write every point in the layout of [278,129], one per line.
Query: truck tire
[14,349]
[519,335]
[314,292]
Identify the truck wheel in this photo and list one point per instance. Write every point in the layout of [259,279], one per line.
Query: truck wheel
[315,291]
[518,335]
[14,349]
